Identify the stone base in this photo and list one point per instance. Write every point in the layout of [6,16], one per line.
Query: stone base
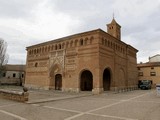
[75,90]
[37,87]
[51,87]
[124,89]
[96,91]
[114,88]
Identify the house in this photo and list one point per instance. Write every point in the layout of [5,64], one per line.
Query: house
[13,74]
[150,70]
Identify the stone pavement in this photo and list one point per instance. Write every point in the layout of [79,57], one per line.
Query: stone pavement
[39,96]
[132,105]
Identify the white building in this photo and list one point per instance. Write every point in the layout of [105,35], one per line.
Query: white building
[150,70]
[13,74]
[155,58]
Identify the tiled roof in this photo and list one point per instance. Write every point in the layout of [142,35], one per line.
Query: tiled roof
[149,64]
[10,67]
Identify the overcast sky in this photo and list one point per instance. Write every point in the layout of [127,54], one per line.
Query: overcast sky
[28,22]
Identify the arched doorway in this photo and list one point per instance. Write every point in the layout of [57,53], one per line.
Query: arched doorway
[106,79]
[58,82]
[86,81]
[55,75]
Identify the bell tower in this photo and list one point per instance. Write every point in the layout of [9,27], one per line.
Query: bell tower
[114,29]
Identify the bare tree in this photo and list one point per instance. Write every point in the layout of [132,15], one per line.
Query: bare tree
[3,55]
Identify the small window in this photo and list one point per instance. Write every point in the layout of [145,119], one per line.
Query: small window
[22,75]
[36,64]
[4,74]
[81,42]
[59,46]
[139,68]
[140,74]
[152,68]
[152,73]
[71,44]
[14,75]
[56,47]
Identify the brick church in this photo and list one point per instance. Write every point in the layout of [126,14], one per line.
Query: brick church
[94,61]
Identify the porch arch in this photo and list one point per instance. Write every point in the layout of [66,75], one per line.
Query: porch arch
[56,76]
[58,82]
[106,79]
[86,81]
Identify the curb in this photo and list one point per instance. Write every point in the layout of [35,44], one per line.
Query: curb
[54,99]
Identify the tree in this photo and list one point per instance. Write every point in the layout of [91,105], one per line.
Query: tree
[3,55]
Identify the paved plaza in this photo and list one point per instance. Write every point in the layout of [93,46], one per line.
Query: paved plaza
[56,105]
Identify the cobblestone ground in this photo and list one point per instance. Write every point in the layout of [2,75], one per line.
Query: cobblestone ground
[132,105]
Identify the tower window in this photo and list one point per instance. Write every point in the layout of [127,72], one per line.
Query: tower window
[81,42]
[152,73]
[14,75]
[22,75]
[36,64]
[59,46]
[56,47]
[4,74]
[140,74]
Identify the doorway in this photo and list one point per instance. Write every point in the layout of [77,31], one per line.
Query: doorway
[86,81]
[106,79]
[58,82]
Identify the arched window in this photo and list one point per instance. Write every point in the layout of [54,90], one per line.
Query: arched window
[59,46]
[36,64]
[91,39]
[56,47]
[71,44]
[46,49]
[75,43]
[52,47]
[81,42]
[103,42]
[108,43]
[38,50]
[30,52]
[63,44]
[42,49]
[67,45]
[35,51]
[86,41]
[113,46]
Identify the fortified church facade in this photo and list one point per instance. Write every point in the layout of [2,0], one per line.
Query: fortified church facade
[94,61]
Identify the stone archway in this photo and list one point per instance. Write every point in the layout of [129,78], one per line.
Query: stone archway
[106,79]
[54,74]
[86,81]
[58,82]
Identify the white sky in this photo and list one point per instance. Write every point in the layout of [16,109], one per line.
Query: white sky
[28,22]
